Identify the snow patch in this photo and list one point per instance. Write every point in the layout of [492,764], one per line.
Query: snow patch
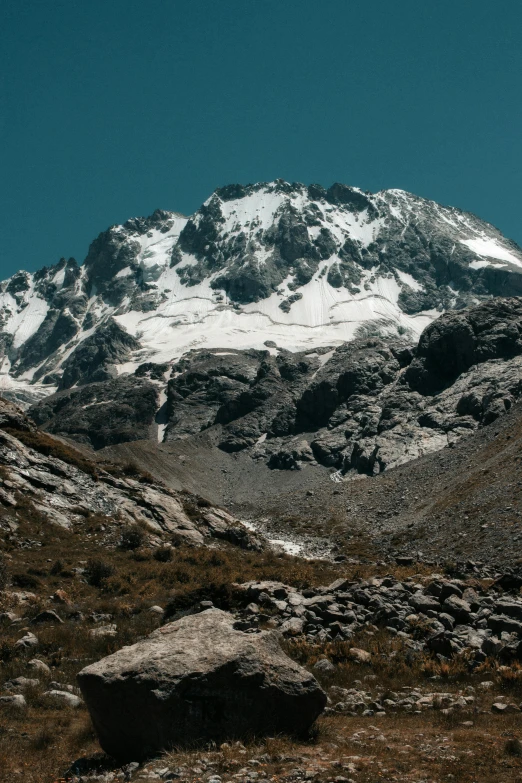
[409,280]
[161,416]
[489,248]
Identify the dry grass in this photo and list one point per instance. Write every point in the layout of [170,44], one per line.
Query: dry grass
[51,447]
[401,748]
[37,745]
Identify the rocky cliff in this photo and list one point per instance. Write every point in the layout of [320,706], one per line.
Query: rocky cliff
[291,266]
[363,407]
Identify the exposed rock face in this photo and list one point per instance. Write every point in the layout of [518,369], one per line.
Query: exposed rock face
[362,407]
[101,414]
[12,417]
[95,357]
[459,340]
[197,679]
[63,493]
[299,265]
[366,406]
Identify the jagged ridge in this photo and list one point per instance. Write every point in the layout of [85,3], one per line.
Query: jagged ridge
[300,266]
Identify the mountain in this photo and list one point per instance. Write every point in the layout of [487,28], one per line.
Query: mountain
[272,265]
[364,407]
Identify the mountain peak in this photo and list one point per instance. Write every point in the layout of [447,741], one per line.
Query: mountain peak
[301,266]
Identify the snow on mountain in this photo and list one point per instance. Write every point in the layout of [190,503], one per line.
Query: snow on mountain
[274,264]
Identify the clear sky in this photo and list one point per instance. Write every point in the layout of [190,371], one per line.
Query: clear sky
[111,108]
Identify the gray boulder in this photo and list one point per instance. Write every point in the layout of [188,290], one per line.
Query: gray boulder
[457,608]
[196,680]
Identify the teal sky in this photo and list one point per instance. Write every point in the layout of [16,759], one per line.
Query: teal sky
[111,108]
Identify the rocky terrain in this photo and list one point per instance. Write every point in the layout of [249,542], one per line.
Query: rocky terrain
[260,503]
[401,646]
[47,480]
[369,405]
[302,267]
[421,672]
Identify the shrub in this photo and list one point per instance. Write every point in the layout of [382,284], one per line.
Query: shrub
[26,581]
[162,554]
[56,568]
[97,571]
[131,469]
[131,538]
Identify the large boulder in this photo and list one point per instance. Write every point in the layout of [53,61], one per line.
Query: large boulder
[193,680]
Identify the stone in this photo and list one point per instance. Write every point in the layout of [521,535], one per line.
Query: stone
[39,666]
[443,644]
[104,630]
[505,709]
[338,585]
[29,640]
[457,608]
[60,686]
[447,620]
[47,616]
[359,656]
[293,626]
[448,589]
[499,623]
[19,683]
[423,603]
[509,608]
[324,666]
[197,679]
[9,617]
[68,699]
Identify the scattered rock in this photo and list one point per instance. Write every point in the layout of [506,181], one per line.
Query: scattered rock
[324,666]
[39,666]
[19,683]
[104,630]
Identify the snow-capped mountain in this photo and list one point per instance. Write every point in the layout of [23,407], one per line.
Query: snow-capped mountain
[273,264]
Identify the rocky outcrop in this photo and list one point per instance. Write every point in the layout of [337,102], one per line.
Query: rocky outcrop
[95,358]
[197,680]
[53,483]
[459,340]
[101,414]
[367,405]
[12,417]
